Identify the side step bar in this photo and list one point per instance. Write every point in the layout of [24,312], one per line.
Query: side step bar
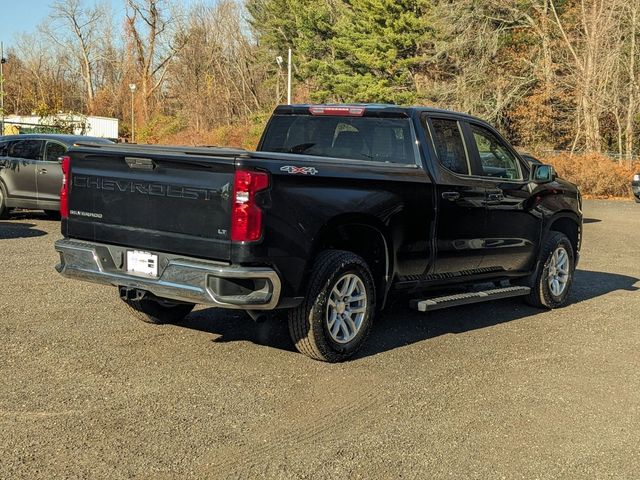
[447,301]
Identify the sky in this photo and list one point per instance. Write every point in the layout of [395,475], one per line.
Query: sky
[18,16]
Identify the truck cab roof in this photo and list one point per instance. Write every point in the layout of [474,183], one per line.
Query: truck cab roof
[368,109]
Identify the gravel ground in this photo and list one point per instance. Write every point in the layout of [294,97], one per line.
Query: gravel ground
[498,390]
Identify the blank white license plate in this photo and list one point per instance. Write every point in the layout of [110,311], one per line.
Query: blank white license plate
[142,263]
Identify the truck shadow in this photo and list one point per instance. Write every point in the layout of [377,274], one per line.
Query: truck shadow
[10,230]
[399,325]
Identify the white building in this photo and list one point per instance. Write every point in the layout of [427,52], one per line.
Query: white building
[94,126]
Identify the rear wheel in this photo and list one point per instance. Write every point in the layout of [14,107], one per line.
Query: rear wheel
[336,317]
[158,311]
[52,214]
[552,283]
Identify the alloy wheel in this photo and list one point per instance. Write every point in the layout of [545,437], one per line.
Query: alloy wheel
[346,308]
[559,270]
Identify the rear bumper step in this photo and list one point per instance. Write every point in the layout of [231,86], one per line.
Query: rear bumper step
[447,301]
[182,279]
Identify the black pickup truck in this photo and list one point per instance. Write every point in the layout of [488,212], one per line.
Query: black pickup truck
[340,208]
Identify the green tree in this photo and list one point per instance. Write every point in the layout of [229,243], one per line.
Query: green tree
[378,47]
[349,50]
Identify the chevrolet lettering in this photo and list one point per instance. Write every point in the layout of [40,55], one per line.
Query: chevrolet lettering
[155,189]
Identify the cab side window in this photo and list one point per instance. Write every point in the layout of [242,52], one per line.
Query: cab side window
[495,158]
[449,145]
[26,149]
[54,151]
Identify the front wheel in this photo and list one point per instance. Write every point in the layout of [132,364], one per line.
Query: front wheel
[158,311]
[336,316]
[552,283]
[4,211]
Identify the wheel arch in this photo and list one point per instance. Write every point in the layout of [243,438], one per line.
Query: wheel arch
[570,224]
[363,235]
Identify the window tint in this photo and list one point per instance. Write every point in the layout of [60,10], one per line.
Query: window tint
[358,138]
[447,139]
[54,151]
[27,149]
[496,159]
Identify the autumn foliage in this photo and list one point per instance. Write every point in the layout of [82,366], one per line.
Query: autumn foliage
[596,175]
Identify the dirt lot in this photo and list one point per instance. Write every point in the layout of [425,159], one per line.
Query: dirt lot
[492,391]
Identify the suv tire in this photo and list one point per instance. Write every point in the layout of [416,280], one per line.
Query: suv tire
[336,316]
[158,312]
[4,211]
[552,282]
[52,214]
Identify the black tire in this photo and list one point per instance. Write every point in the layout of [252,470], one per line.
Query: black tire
[158,312]
[4,211]
[308,323]
[541,295]
[52,214]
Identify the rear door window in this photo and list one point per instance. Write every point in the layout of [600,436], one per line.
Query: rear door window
[53,151]
[26,149]
[4,147]
[386,140]
[449,145]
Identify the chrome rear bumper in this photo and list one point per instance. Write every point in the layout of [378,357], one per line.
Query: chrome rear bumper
[181,279]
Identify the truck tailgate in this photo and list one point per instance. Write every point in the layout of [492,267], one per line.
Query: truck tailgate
[152,200]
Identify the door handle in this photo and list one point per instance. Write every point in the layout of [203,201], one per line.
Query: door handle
[495,197]
[451,196]
[42,171]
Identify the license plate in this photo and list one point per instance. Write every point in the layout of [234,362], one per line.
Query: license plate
[142,263]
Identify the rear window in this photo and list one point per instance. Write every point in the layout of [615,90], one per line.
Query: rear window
[387,140]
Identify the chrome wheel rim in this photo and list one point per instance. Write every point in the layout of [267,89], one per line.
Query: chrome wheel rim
[346,308]
[559,271]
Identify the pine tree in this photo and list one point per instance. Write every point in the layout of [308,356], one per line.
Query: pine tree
[378,47]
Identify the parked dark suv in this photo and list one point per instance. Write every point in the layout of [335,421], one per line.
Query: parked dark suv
[635,186]
[30,173]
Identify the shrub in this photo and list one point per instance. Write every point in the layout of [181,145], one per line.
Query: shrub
[158,128]
[596,175]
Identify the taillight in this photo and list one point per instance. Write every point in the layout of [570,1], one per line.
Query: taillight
[64,190]
[246,215]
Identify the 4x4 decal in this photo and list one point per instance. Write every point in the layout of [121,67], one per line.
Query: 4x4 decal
[299,170]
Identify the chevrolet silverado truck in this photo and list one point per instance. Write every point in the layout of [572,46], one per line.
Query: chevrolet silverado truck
[340,208]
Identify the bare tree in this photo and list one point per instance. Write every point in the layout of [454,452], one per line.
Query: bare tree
[76,28]
[152,45]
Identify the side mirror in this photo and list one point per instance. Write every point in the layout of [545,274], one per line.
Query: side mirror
[543,173]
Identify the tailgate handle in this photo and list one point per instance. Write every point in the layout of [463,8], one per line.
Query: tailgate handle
[140,163]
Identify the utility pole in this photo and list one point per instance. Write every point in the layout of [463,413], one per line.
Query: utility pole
[289,79]
[132,87]
[2,62]
[279,61]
